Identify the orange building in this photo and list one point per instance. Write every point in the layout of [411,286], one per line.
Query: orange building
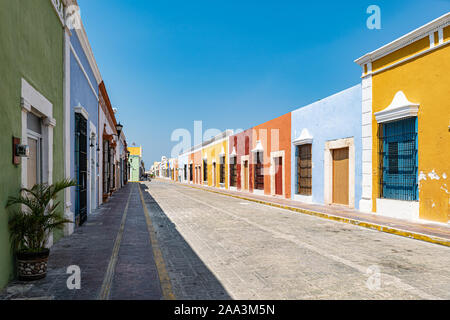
[270,158]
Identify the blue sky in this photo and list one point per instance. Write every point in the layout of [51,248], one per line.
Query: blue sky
[232,64]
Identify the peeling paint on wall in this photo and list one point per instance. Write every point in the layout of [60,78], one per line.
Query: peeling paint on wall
[422,176]
[433,175]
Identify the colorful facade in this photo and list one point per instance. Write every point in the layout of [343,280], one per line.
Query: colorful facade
[196,158]
[215,160]
[239,147]
[270,156]
[108,147]
[84,90]
[326,150]
[381,146]
[50,104]
[135,159]
[31,104]
[405,125]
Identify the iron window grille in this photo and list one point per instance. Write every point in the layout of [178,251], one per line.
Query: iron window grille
[185,172]
[259,172]
[205,170]
[304,169]
[191,174]
[398,160]
[81,168]
[105,166]
[222,170]
[233,171]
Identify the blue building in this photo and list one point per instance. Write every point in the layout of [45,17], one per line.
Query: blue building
[83,129]
[326,150]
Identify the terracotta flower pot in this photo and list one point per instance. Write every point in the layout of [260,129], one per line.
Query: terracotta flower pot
[32,266]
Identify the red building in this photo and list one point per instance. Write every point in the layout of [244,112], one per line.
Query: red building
[239,159]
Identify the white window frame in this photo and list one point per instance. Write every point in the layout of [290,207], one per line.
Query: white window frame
[33,101]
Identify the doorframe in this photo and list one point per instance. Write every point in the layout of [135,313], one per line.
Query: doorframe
[273,156]
[32,100]
[328,169]
[83,113]
[231,188]
[243,159]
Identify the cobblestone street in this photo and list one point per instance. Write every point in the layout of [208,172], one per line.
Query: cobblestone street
[260,252]
[186,243]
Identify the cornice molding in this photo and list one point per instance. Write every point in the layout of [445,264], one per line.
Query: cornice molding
[400,108]
[58,6]
[259,147]
[82,36]
[304,138]
[80,109]
[405,40]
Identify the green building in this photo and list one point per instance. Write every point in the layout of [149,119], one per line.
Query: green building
[31,103]
[135,160]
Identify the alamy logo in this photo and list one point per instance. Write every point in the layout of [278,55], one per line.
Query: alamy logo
[74,280]
[374,20]
[374,280]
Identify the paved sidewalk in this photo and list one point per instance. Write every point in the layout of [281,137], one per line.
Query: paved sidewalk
[113,251]
[426,231]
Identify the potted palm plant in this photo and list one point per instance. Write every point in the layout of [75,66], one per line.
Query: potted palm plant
[31,222]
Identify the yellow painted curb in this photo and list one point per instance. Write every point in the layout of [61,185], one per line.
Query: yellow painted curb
[369,225]
[164,279]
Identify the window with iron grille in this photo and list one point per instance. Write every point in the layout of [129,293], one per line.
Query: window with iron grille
[191,174]
[106,166]
[233,171]
[304,169]
[185,172]
[259,172]
[398,160]
[205,170]
[222,170]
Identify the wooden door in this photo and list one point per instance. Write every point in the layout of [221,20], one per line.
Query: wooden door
[340,176]
[245,184]
[279,176]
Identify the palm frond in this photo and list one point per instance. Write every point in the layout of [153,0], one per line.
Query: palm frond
[31,224]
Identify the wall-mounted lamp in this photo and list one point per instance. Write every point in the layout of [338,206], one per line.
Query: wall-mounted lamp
[92,140]
[19,151]
[119,128]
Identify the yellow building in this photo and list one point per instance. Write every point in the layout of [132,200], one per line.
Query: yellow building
[406,125]
[215,160]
